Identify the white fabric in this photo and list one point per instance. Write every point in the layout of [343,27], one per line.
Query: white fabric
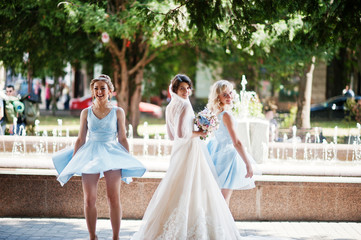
[179,118]
[188,203]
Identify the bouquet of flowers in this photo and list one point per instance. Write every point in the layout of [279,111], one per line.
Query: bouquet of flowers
[206,121]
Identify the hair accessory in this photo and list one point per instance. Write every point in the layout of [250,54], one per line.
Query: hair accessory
[179,78]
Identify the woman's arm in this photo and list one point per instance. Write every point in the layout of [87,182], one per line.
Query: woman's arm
[228,122]
[82,131]
[122,137]
[182,130]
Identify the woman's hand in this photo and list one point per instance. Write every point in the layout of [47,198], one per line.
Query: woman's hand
[249,171]
[199,133]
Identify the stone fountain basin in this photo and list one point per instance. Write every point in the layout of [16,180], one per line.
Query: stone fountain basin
[287,190]
[155,162]
[161,164]
[344,152]
[53,144]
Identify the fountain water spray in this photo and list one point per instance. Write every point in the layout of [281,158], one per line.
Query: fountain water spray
[130,138]
[285,150]
[294,142]
[146,139]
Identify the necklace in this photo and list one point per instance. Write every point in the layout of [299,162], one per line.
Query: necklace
[101,112]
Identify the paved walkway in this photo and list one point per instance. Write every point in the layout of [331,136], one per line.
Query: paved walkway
[74,228]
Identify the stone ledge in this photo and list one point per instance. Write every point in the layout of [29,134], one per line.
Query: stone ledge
[34,193]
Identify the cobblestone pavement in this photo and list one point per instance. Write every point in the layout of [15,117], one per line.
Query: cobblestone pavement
[75,228]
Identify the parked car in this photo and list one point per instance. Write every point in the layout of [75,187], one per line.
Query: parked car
[333,108]
[78,104]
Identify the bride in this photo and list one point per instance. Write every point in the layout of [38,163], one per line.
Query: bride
[187,203]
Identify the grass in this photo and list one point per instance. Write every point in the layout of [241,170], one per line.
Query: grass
[333,124]
[49,122]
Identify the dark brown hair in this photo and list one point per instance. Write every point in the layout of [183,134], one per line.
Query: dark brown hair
[178,79]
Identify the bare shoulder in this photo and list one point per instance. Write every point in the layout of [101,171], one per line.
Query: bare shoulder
[120,112]
[84,113]
[227,115]
[227,118]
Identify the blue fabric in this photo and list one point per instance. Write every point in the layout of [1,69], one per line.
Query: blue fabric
[230,167]
[102,152]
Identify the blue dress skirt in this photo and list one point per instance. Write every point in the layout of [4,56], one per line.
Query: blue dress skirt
[230,167]
[102,152]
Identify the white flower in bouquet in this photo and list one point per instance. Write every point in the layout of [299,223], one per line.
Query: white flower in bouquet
[206,121]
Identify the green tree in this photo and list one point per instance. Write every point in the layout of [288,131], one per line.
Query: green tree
[38,30]
[131,39]
[326,26]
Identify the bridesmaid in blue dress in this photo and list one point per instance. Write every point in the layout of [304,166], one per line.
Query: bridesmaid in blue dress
[231,161]
[104,154]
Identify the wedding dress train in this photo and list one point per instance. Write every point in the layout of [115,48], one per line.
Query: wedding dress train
[188,203]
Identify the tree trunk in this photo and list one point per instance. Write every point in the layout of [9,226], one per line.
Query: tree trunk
[304,98]
[129,60]
[136,97]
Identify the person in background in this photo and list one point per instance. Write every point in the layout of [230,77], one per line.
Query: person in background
[47,96]
[348,92]
[2,117]
[20,125]
[10,90]
[270,113]
[37,91]
[66,97]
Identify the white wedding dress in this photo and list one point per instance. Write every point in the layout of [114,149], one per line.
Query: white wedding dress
[188,203]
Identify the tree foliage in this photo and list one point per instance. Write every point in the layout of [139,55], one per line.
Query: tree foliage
[280,36]
[39,29]
[301,31]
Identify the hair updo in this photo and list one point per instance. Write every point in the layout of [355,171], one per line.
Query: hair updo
[104,78]
[178,79]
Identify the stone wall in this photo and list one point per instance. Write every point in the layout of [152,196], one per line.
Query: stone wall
[274,198]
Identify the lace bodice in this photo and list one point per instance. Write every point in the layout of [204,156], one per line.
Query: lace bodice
[179,118]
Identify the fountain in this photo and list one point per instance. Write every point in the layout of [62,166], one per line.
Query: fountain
[253,130]
[303,178]
[311,155]
[130,138]
[36,151]
[146,139]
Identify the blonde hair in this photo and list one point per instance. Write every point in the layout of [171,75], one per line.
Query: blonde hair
[219,87]
[104,78]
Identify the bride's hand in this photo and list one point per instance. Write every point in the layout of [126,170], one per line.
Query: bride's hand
[199,133]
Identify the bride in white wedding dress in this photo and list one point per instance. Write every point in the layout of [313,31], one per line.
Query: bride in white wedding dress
[188,203]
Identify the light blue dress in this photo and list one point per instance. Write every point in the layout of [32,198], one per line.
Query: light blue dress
[102,152]
[230,167]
